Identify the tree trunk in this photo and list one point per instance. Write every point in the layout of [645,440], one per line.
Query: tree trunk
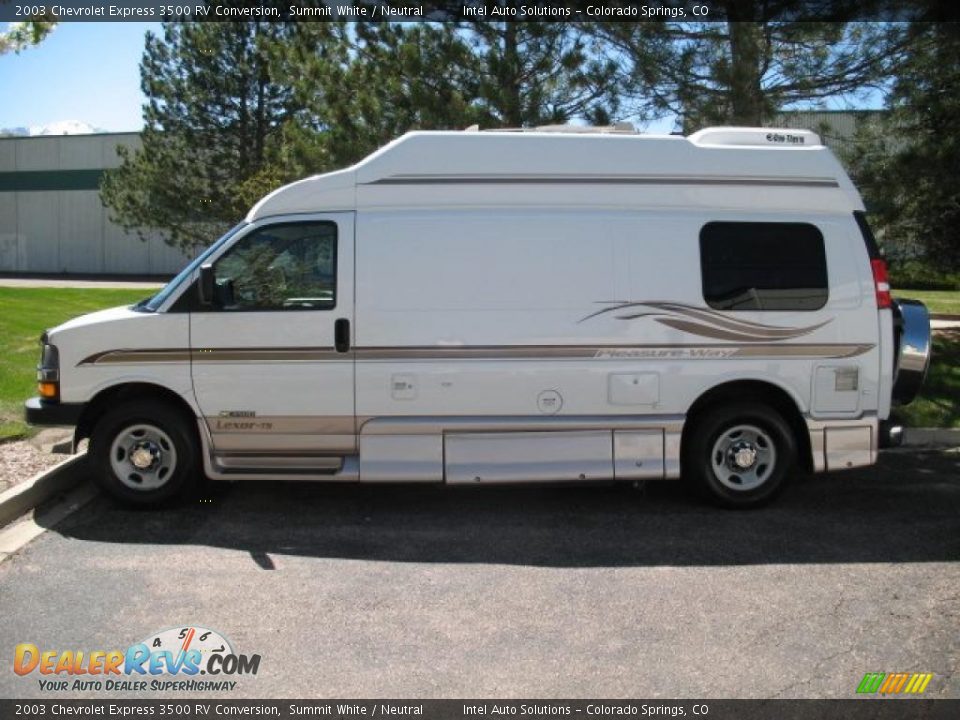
[260,123]
[745,81]
[512,99]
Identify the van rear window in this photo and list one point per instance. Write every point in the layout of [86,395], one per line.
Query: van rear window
[763,266]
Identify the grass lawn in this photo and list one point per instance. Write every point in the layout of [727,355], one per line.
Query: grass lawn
[24,314]
[937,301]
[939,402]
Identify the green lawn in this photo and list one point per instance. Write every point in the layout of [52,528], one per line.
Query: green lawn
[24,314]
[937,301]
[939,402]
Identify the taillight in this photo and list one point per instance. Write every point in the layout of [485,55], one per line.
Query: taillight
[881,281]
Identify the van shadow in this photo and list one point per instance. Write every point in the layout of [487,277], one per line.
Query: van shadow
[907,509]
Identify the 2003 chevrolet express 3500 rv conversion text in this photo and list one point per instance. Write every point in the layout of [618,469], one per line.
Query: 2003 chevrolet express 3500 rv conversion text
[491,307]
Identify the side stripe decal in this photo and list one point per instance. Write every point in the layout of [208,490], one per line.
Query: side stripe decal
[714,351]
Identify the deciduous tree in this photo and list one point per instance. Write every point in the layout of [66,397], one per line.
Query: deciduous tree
[21,35]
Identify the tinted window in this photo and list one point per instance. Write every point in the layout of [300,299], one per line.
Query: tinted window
[280,267]
[763,266]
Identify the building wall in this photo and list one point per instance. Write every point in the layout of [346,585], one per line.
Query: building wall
[51,217]
[837,128]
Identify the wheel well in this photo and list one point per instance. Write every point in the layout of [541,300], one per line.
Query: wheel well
[113,396]
[757,391]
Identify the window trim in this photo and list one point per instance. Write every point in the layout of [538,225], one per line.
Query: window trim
[268,226]
[869,239]
[826,265]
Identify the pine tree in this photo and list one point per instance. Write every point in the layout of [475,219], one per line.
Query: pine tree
[907,164]
[538,73]
[743,69]
[218,120]
[376,81]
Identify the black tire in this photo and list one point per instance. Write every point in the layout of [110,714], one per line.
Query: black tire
[161,431]
[710,454]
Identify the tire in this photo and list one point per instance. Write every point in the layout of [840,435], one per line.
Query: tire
[145,453]
[739,455]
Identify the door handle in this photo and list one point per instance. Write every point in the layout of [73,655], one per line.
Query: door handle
[341,335]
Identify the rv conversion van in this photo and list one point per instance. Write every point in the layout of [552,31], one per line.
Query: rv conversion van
[496,307]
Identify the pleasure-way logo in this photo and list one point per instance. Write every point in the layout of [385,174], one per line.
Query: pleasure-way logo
[700,321]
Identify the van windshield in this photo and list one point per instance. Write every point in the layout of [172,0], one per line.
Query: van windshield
[152,304]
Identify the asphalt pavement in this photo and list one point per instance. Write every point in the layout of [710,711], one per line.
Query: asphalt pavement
[511,592]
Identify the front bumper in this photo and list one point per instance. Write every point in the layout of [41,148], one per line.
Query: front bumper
[43,412]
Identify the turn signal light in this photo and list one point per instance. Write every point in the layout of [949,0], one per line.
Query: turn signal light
[48,390]
[881,281]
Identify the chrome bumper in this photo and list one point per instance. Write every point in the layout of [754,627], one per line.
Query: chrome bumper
[912,349]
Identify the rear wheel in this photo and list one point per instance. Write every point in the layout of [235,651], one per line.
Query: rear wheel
[144,453]
[740,455]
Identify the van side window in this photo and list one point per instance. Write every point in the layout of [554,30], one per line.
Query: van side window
[763,266]
[291,266]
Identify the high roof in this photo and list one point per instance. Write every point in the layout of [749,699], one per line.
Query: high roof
[437,162]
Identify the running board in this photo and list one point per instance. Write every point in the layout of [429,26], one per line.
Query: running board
[274,467]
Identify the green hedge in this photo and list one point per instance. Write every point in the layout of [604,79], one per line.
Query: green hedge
[921,276]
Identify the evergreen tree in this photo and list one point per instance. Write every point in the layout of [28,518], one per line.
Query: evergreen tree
[538,73]
[218,118]
[742,70]
[376,81]
[907,164]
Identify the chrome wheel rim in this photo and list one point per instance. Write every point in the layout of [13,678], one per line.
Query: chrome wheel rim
[743,457]
[143,457]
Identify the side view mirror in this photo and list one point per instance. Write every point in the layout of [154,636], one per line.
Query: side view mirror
[207,284]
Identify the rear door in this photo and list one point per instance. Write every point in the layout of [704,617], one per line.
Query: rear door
[272,369]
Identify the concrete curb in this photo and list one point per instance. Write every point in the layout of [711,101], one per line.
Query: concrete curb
[931,437]
[17,534]
[27,495]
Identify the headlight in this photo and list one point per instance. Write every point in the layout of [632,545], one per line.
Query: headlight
[48,371]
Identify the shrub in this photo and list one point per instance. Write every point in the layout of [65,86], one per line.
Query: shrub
[919,275]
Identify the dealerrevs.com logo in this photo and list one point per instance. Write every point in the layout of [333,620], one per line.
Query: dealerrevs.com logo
[170,660]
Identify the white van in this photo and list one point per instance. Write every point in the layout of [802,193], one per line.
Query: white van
[493,307]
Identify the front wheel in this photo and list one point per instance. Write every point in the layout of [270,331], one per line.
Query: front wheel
[144,453]
[740,455]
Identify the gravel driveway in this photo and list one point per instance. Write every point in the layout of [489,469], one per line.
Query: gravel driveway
[20,461]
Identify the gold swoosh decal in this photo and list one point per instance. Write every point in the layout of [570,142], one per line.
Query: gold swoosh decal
[703,322]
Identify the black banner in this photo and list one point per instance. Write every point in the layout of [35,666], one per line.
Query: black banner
[876,709]
[479,10]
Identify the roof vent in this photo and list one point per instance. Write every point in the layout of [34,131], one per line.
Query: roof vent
[621,128]
[755,137]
